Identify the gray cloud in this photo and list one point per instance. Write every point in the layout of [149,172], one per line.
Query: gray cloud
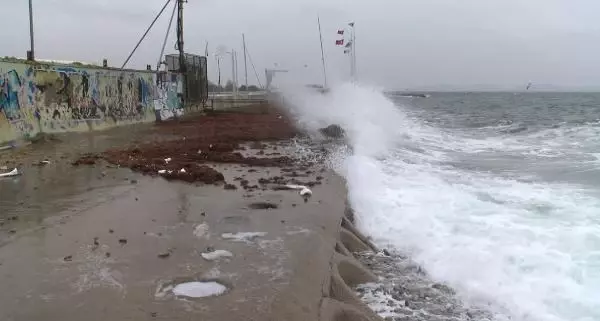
[400,44]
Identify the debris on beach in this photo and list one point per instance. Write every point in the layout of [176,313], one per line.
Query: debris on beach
[86,159]
[42,163]
[164,255]
[215,255]
[208,139]
[14,172]
[304,191]
[199,289]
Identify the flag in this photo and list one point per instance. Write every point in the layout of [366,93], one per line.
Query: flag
[339,42]
[340,32]
[349,44]
[351,24]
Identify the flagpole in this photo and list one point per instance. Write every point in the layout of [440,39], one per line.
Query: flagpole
[322,53]
[354,49]
[353,52]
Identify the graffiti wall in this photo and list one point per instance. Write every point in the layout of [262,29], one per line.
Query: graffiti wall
[60,98]
[169,90]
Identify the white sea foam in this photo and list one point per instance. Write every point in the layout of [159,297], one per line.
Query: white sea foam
[528,249]
[199,289]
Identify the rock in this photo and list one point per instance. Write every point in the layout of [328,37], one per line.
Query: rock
[68,258]
[122,241]
[333,131]
[230,187]
[107,254]
[164,255]
[263,206]
[443,288]
[13,231]
[386,252]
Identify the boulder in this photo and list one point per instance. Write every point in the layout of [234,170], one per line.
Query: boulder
[333,131]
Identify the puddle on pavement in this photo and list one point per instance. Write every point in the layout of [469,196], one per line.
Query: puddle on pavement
[47,189]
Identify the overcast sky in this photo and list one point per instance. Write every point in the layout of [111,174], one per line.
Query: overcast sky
[400,43]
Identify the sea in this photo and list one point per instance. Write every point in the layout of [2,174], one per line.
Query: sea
[495,195]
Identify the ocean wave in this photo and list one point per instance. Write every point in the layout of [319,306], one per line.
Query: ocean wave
[527,249]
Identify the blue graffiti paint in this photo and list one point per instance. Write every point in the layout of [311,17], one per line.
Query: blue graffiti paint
[10,83]
[144,91]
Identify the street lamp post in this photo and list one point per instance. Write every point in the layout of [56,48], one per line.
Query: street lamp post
[31,53]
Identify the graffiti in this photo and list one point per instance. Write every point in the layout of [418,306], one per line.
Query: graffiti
[10,84]
[53,97]
[167,103]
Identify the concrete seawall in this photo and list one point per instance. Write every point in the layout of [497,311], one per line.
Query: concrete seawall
[52,98]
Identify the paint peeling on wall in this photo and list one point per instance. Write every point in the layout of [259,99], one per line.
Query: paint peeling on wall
[58,98]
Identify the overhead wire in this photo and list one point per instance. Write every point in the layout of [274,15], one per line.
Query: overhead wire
[162,51]
[145,33]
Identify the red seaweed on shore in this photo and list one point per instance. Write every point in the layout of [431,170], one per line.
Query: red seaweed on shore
[212,138]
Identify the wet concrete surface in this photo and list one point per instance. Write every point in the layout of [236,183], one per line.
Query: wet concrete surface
[104,243]
[105,262]
[43,190]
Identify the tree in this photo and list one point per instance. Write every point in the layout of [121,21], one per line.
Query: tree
[229,86]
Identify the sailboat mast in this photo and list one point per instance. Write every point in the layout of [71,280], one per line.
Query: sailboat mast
[245,61]
[322,53]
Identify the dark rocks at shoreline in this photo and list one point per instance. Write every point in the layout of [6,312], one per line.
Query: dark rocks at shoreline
[333,131]
[405,293]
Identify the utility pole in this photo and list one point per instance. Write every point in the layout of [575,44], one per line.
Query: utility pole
[245,61]
[182,62]
[219,70]
[31,55]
